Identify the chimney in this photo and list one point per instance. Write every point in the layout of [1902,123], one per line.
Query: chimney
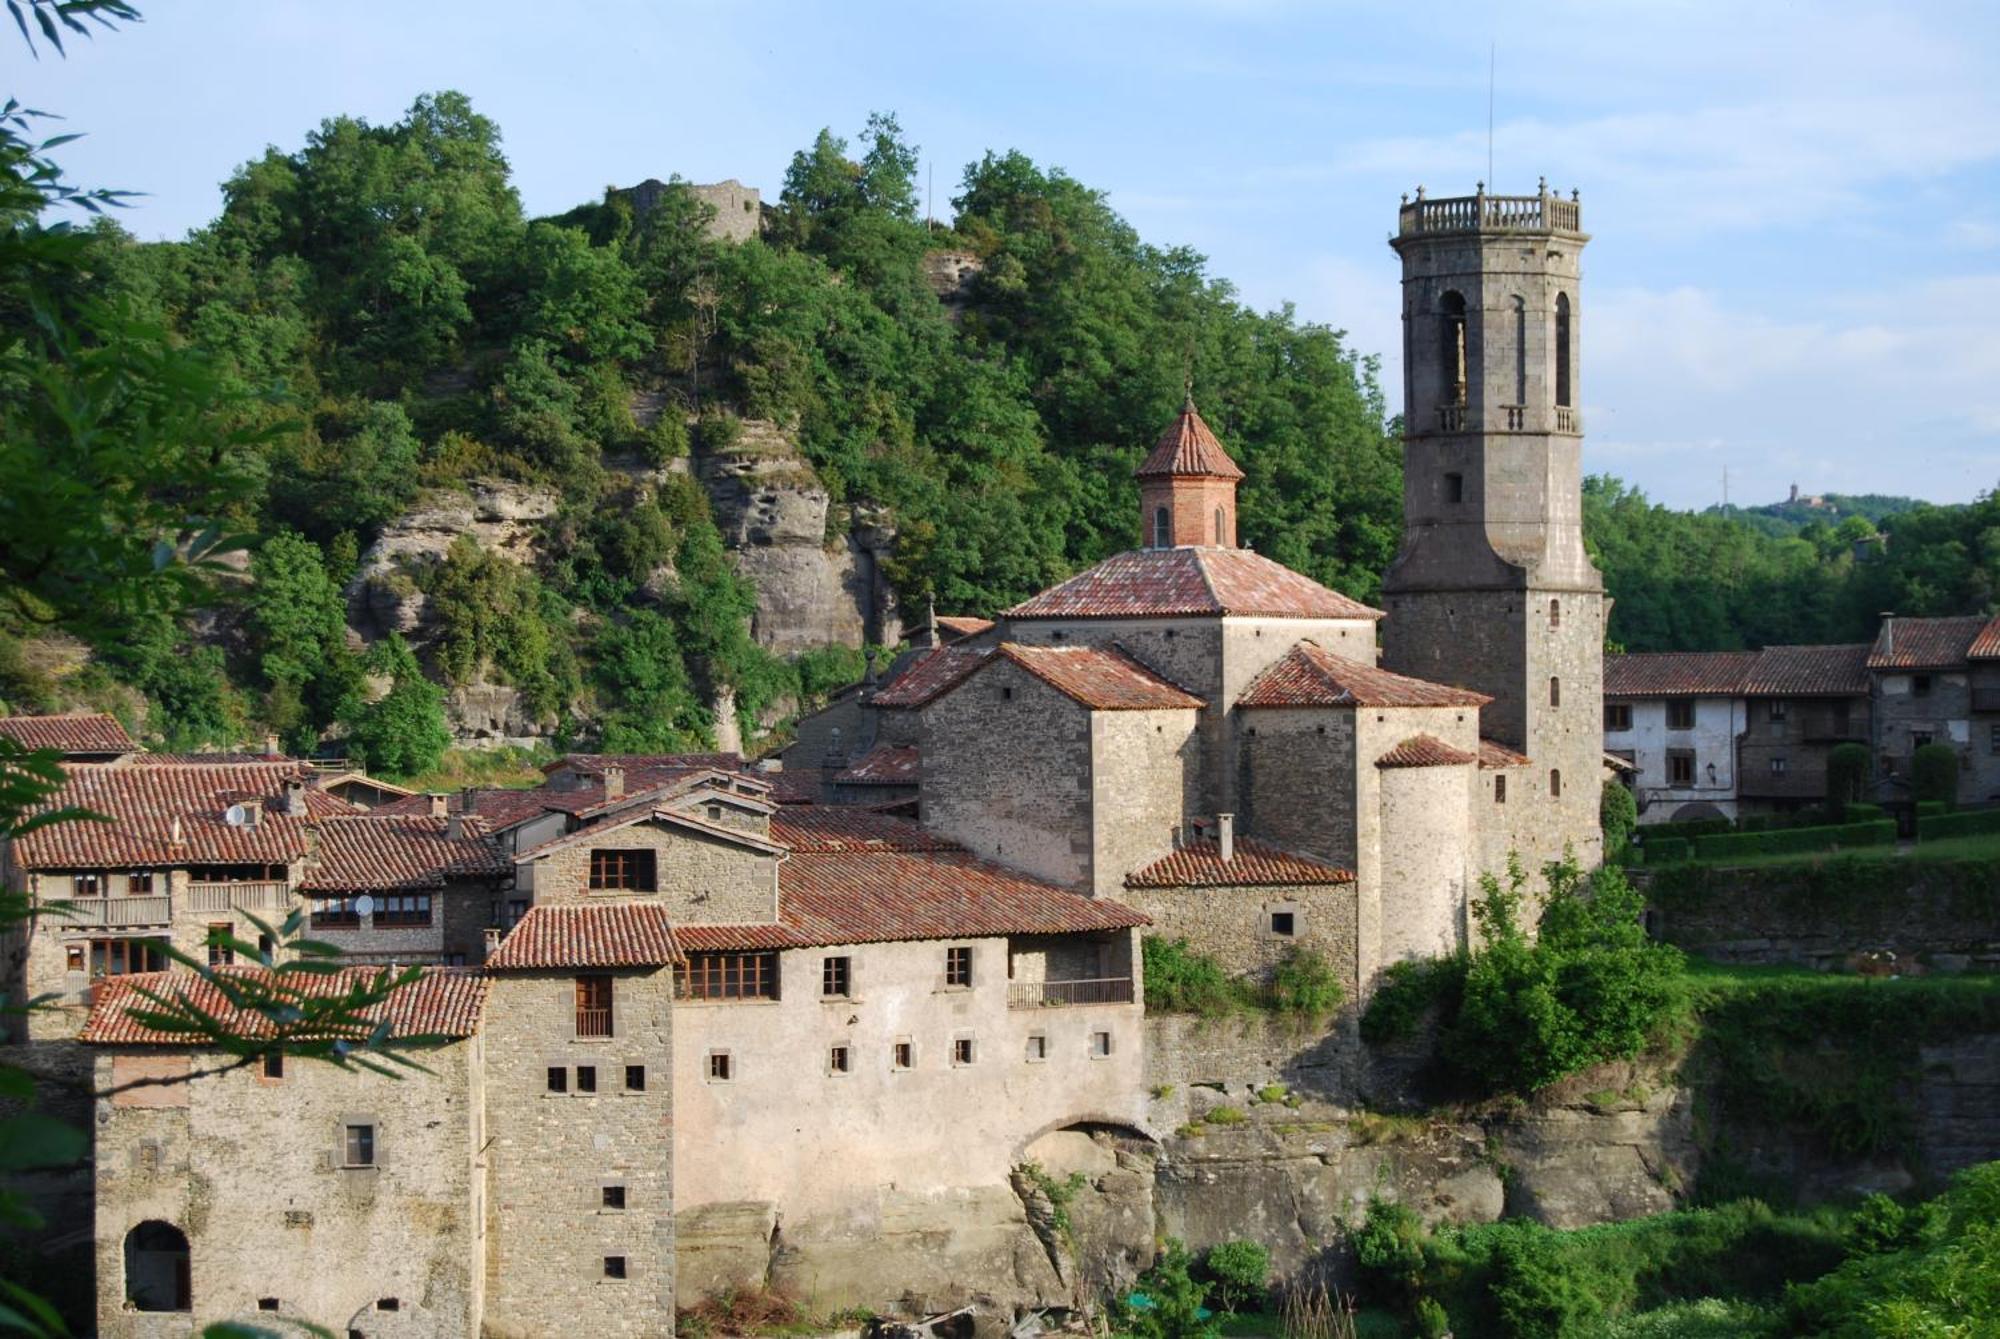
[253,812]
[454,827]
[440,804]
[1225,837]
[468,800]
[271,749]
[614,783]
[294,800]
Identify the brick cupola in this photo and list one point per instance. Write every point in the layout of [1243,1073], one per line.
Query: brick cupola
[1187,488]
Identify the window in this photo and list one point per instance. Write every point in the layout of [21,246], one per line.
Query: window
[1920,739]
[729,976]
[1499,789]
[1038,1048]
[1555,691]
[86,885]
[838,1060]
[715,813]
[1555,613]
[139,883]
[586,1078]
[1680,714]
[635,1078]
[73,954]
[613,1197]
[1617,716]
[220,954]
[157,1277]
[833,977]
[403,909]
[622,870]
[558,1079]
[1993,739]
[1680,767]
[274,1065]
[1163,534]
[122,957]
[961,1051]
[1454,488]
[903,1055]
[1284,923]
[719,1068]
[1520,353]
[1100,1045]
[265,944]
[593,1006]
[1451,347]
[1777,767]
[1218,527]
[1778,709]
[267,1304]
[360,1146]
[334,912]
[1555,783]
[958,966]
[1838,718]
[1920,685]
[614,1267]
[516,908]
[388,1304]
[1562,350]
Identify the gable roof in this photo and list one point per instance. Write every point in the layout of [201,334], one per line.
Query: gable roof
[963,625]
[556,936]
[1188,449]
[369,852]
[1309,675]
[1925,643]
[883,765]
[1190,582]
[645,809]
[1809,671]
[441,1002]
[1425,751]
[1199,864]
[92,732]
[1986,646]
[875,896]
[1494,755]
[1101,678]
[842,827]
[928,675]
[173,815]
[1677,673]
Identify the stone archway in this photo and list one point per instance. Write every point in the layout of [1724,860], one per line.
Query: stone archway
[157,1275]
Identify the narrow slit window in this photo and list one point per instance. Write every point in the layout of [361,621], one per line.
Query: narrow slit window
[1499,790]
[1555,691]
[1555,783]
[1562,350]
[1163,534]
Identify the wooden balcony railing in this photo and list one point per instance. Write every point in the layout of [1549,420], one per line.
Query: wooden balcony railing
[1057,994]
[267,895]
[112,912]
[593,1022]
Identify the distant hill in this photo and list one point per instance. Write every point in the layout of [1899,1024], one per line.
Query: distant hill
[1791,516]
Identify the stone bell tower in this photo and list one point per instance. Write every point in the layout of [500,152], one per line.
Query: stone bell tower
[1492,589]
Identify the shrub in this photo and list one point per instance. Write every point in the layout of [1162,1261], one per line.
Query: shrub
[1409,989]
[1617,814]
[1846,776]
[1795,841]
[1240,1271]
[1971,823]
[1181,981]
[1225,1116]
[1167,1302]
[1931,808]
[1389,1251]
[666,440]
[718,429]
[1666,850]
[1934,774]
[1432,1320]
[1305,984]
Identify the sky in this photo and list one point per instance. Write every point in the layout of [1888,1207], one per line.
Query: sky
[1795,208]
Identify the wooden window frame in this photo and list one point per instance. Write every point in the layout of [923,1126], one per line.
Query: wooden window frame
[1499,788]
[335,913]
[359,1144]
[596,1006]
[836,977]
[125,957]
[403,909]
[624,869]
[1681,756]
[220,954]
[728,976]
[1617,717]
[1680,713]
[958,967]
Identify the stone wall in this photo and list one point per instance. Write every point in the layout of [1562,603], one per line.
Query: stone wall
[1426,842]
[1233,925]
[1145,779]
[701,880]
[550,1156]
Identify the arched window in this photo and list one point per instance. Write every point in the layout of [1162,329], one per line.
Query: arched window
[1451,346]
[1219,541]
[156,1268]
[1555,783]
[1562,349]
[1555,691]
[1163,531]
[1555,613]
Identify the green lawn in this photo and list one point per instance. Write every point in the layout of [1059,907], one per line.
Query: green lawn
[1985,847]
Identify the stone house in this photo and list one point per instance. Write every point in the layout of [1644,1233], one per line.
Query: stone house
[1800,703]
[1937,681]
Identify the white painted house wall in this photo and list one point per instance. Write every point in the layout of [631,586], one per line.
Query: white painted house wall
[1717,723]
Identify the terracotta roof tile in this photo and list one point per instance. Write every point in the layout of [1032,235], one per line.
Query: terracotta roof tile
[648,808]
[861,897]
[371,852]
[1493,755]
[1678,673]
[1425,751]
[884,765]
[928,675]
[1101,679]
[173,815]
[749,938]
[554,936]
[1809,671]
[496,806]
[442,1002]
[1925,643]
[1986,646]
[76,732]
[797,785]
[1253,864]
[839,827]
[1190,583]
[964,627]
[1188,449]
[1309,675]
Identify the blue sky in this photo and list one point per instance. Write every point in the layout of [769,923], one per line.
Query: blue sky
[1796,208]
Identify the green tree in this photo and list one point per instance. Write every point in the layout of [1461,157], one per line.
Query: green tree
[1847,767]
[1934,774]
[404,732]
[1617,816]
[640,670]
[299,626]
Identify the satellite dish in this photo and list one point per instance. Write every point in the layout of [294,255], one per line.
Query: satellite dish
[364,905]
[236,816]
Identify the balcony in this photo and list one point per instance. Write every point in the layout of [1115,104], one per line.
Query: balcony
[266,895]
[593,1022]
[111,912]
[1451,418]
[1568,419]
[1545,212]
[1061,994]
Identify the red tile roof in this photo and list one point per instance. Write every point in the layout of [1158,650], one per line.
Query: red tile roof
[883,765]
[1309,675]
[555,936]
[1678,673]
[173,815]
[372,853]
[963,627]
[636,763]
[1986,646]
[76,732]
[1493,754]
[1425,751]
[861,897]
[797,785]
[644,809]
[496,806]
[839,827]
[739,938]
[1190,583]
[1186,449]
[1809,671]
[1101,679]
[928,675]
[1253,864]
[1925,643]
[442,1002]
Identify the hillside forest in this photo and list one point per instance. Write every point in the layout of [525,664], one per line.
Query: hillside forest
[390,326]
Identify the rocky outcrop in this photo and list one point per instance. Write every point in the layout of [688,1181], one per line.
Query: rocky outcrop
[506,517]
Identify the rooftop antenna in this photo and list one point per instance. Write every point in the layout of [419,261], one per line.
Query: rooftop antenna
[930,181]
[1492,64]
[1725,488]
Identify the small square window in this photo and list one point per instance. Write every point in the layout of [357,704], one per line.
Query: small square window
[1778,767]
[1100,1045]
[1920,685]
[388,1304]
[1284,923]
[360,1146]
[274,1064]
[1779,708]
[635,1078]
[833,977]
[558,1079]
[961,1051]
[903,1055]
[586,1078]
[220,953]
[958,966]
[138,884]
[1038,1048]
[719,1068]
[1454,488]
[614,1267]
[614,1197]
[267,1304]
[838,1060]
[1617,716]
[73,955]
[1680,714]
